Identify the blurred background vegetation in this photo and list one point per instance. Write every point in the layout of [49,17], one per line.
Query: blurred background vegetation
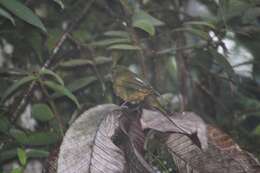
[56,58]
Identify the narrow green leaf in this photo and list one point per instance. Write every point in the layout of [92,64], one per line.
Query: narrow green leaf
[53,37]
[17,170]
[81,83]
[200,33]
[123,47]
[75,63]
[36,153]
[145,25]
[16,86]
[60,3]
[119,33]
[127,5]
[82,36]
[53,74]
[257,130]
[22,156]
[78,84]
[42,112]
[7,155]
[83,62]
[35,41]
[107,42]
[221,60]
[202,23]
[4,124]
[23,12]
[7,15]
[62,90]
[34,138]
[142,15]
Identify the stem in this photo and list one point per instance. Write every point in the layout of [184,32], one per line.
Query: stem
[181,61]
[23,102]
[52,105]
[135,38]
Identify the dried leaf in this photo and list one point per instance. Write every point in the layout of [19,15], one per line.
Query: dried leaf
[222,156]
[87,146]
[189,121]
[134,142]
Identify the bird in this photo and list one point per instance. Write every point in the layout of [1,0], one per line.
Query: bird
[129,86]
[132,88]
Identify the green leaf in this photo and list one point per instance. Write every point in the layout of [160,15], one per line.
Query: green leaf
[202,23]
[221,60]
[23,12]
[60,3]
[81,83]
[257,130]
[83,62]
[16,86]
[17,170]
[107,42]
[82,35]
[75,63]
[34,138]
[123,47]
[7,155]
[145,25]
[36,153]
[4,124]
[232,9]
[78,84]
[8,16]
[42,112]
[119,33]
[62,90]
[142,15]
[53,37]
[53,74]
[35,41]
[128,6]
[22,156]
[202,34]
[251,16]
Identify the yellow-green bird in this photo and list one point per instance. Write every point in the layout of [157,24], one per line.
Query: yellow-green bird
[129,86]
[132,88]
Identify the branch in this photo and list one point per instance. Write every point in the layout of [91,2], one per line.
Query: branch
[55,50]
[135,38]
[181,60]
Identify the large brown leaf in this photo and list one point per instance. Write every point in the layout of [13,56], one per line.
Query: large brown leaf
[223,155]
[191,123]
[134,142]
[87,146]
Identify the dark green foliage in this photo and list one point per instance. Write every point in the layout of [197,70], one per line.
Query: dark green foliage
[61,61]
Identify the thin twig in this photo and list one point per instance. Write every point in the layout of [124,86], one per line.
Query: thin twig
[171,50]
[135,38]
[48,62]
[53,107]
[209,93]
[181,60]
[92,55]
